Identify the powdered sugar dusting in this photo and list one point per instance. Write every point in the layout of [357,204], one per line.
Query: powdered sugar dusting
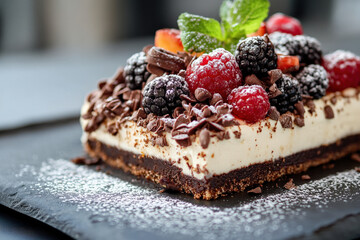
[123,204]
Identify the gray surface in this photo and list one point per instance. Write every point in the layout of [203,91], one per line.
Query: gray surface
[38,87]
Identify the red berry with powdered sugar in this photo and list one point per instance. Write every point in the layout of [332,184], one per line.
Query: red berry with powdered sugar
[250,103]
[343,70]
[217,72]
[285,24]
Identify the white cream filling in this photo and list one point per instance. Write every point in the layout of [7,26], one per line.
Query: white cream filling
[260,142]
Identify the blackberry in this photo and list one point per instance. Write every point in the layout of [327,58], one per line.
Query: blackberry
[283,43]
[135,72]
[308,49]
[290,94]
[256,55]
[162,95]
[313,81]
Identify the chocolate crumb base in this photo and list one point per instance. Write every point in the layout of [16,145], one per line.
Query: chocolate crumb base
[171,177]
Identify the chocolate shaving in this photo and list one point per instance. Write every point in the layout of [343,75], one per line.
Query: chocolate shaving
[299,106]
[201,94]
[216,98]
[273,113]
[189,99]
[309,103]
[273,91]
[254,80]
[180,120]
[204,138]
[286,120]
[161,61]
[329,113]
[237,134]
[274,75]
[305,177]
[298,121]
[256,190]
[333,100]
[112,129]
[357,169]
[290,184]
[187,57]
[161,141]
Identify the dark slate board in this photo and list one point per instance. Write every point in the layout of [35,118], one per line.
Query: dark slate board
[37,179]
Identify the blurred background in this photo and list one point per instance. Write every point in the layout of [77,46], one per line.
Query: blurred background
[53,52]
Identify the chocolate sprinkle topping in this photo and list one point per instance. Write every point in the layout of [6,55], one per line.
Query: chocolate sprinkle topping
[201,94]
[290,184]
[256,190]
[329,113]
[161,61]
[298,121]
[286,120]
[305,177]
[204,138]
[273,113]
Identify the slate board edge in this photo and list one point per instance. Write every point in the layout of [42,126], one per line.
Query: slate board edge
[24,207]
[46,218]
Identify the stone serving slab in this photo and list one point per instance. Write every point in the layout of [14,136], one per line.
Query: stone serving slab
[38,179]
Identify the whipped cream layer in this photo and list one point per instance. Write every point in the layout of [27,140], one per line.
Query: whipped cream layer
[263,141]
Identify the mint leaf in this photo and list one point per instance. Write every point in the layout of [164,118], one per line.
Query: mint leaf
[239,17]
[246,15]
[194,23]
[200,34]
[199,42]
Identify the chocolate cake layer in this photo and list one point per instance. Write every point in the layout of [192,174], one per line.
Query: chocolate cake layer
[170,176]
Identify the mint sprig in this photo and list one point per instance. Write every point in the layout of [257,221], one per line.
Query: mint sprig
[238,18]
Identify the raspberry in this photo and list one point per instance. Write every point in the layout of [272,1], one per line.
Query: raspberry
[343,70]
[282,23]
[162,95]
[135,72]
[256,55]
[291,94]
[217,72]
[313,81]
[250,103]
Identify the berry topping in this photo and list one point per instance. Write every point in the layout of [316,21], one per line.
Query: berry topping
[169,39]
[284,43]
[135,72]
[256,55]
[313,81]
[260,32]
[250,103]
[217,72]
[290,94]
[308,49]
[162,95]
[288,63]
[343,70]
[282,23]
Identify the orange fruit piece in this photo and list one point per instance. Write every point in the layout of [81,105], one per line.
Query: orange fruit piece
[169,39]
[288,63]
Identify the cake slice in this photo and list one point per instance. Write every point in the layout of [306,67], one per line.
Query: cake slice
[208,122]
